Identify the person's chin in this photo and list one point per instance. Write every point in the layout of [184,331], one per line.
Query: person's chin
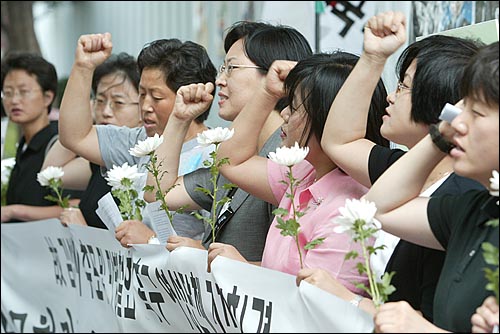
[227,116]
[461,168]
[385,131]
[150,131]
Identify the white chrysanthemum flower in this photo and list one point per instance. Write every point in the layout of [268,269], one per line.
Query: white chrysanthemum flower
[214,136]
[7,165]
[146,146]
[49,173]
[117,174]
[356,210]
[494,184]
[289,156]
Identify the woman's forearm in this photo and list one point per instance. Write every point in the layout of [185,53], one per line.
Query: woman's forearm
[404,180]
[75,117]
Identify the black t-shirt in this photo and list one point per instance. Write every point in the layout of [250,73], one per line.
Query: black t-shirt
[23,186]
[458,223]
[417,268]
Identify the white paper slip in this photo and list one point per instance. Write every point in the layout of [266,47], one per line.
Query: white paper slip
[108,211]
[449,112]
[159,221]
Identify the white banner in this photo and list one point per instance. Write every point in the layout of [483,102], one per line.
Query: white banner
[79,279]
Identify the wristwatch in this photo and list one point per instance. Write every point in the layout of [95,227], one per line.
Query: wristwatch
[356,300]
[438,140]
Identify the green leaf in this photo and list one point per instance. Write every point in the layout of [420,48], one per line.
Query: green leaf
[492,223]
[310,245]
[351,255]
[205,191]
[362,287]
[280,212]
[51,198]
[490,253]
[148,188]
[229,186]
[361,268]
[300,214]
[289,227]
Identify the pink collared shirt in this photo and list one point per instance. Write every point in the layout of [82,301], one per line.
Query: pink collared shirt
[320,200]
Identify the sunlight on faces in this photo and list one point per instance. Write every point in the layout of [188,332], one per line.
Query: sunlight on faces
[23,99]
[239,88]
[156,101]
[117,88]
[477,139]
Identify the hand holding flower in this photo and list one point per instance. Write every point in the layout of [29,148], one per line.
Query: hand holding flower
[72,216]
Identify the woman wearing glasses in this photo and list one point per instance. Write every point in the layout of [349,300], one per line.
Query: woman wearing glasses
[429,74]
[251,48]
[115,85]
[29,87]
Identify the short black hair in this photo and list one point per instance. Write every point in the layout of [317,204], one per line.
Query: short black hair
[239,30]
[264,43]
[120,63]
[317,80]
[480,79]
[182,63]
[441,61]
[34,64]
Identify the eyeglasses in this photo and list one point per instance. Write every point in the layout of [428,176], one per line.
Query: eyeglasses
[230,67]
[401,87]
[100,104]
[22,93]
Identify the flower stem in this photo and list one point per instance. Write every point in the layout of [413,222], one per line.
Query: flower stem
[373,284]
[59,197]
[214,196]
[161,196]
[292,196]
[55,185]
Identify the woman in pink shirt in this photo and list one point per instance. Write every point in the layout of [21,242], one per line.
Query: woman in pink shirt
[310,86]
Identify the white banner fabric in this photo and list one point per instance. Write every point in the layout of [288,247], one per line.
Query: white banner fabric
[80,279]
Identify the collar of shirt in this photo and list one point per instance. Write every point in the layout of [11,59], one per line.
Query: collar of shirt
[319,190]
[488,211]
